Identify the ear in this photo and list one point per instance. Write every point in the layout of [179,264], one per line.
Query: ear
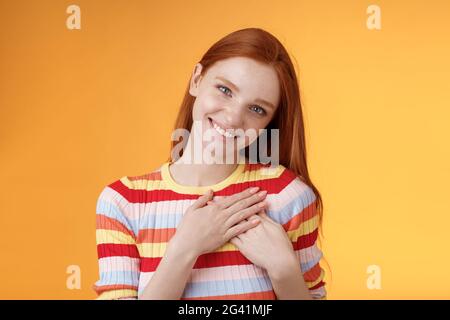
[195,80]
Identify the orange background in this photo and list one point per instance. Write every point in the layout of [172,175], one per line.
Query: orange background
[81,108]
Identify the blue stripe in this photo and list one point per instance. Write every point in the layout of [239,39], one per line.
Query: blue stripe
[310,264]
[118,277]
[161,221]
[289,211]
[172,219]
[218,288]
[111,210]
[295,206]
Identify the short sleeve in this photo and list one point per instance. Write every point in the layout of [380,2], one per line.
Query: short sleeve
[303,229]
[118,256]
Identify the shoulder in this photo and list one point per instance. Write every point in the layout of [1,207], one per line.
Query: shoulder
[296,187]
[289,197]
[129,187]
[279,180]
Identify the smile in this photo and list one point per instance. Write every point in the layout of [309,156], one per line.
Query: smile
[221,130]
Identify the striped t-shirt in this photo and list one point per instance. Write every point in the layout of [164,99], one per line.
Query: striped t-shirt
[136,217]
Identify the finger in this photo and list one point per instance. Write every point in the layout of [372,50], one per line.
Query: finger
[243,235]
[240,228]
[254,217]
[263,214]
[230,200]
[215,199]
[236,241]
[244,214]
[202,200]
[247,202]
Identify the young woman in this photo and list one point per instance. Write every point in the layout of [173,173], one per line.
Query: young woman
[215,230]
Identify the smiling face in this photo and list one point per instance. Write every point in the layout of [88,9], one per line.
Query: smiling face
[235,93]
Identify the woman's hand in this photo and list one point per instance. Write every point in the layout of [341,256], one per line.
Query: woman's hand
[267,245]
[204,227]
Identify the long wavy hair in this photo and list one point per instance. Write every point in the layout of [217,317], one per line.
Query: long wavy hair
[262,46]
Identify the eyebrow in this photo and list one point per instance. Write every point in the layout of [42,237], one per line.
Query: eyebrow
[231,84]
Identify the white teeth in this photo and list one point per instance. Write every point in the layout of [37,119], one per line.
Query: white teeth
[222,131]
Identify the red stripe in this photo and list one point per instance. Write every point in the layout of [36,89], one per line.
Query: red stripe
[107,223]
[307,213]
[224,258]
[306,240]
[207,260]
[101,289]
[113,250]
[317,286]
[155,235]
[313,274]
[272,185]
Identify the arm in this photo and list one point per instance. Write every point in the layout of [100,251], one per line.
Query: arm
[119,259]
[118,256]
[300,275]
[288,282]
[169,280]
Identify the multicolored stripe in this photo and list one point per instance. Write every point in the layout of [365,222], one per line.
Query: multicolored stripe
[137,216]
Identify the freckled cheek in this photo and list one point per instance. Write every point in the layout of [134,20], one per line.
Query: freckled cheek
[209,103]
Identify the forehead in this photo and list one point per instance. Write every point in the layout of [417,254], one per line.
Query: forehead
[253,78]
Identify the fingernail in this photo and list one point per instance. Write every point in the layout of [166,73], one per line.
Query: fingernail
[262,193]
[254,189]
[262,204]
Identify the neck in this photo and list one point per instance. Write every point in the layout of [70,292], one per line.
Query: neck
[200,174]
[186,171]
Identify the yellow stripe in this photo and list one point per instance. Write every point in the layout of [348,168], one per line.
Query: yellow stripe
[113,236]
[165,174]
[116,294]
[261,174]
[305,227]
[156,250]
[148,185]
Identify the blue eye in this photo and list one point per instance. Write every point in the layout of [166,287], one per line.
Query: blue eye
[259,110]
[225,92]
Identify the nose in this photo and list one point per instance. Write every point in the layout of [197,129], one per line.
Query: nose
[233,117]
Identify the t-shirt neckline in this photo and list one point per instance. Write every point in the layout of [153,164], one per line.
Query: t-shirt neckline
[172,184]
